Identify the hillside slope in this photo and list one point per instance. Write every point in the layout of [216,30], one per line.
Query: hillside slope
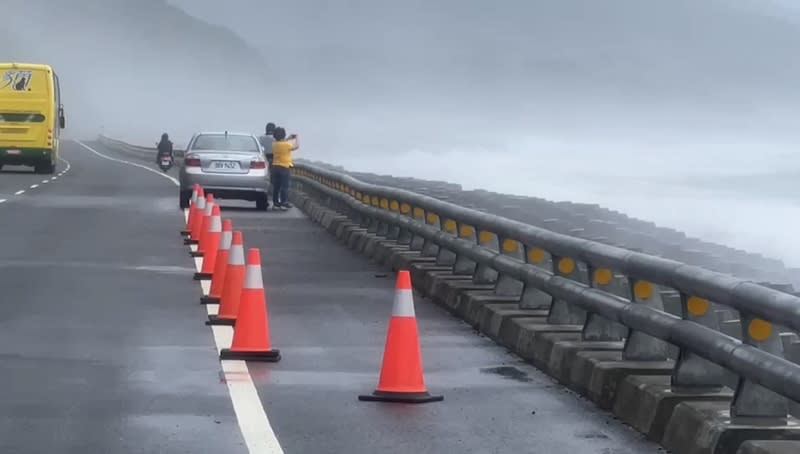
[136,67]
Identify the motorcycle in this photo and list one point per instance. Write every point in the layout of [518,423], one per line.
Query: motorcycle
[165,162]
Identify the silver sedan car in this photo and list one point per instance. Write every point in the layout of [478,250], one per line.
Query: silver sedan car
[228,165]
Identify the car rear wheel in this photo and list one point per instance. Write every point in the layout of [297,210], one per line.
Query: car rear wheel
[184,197]
[261,202]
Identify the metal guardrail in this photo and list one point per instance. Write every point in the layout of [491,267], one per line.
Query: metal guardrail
[125,146]
[576,278]
[597,286]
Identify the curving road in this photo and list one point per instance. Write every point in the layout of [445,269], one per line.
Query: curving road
[104,347]
[15,181]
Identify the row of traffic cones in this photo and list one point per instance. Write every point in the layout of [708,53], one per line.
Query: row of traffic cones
[238,288]
[236,284]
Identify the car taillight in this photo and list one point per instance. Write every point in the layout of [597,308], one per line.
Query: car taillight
[258,165]
[192,162]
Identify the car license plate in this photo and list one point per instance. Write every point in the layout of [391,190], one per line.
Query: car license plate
[225,166]
[13,151]
[165,162]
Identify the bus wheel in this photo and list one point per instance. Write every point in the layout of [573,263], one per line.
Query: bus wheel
[48,168]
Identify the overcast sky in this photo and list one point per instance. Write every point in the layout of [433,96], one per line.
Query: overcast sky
[613,97]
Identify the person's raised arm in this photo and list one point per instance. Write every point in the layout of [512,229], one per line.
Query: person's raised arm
[296,144]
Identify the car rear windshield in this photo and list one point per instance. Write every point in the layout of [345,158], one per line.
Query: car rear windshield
[224,142]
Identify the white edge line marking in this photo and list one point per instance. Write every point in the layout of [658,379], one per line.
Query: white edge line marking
[34,186]
[122,161]
[253,421]
[20,192]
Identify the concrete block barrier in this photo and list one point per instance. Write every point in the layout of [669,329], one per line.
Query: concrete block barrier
[639,392]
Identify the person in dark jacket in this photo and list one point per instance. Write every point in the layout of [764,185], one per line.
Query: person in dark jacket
[266,141]
[164,147]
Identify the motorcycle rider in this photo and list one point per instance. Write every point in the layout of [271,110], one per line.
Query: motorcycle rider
[164,148]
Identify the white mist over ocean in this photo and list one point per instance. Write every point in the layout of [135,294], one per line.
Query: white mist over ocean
[684,113]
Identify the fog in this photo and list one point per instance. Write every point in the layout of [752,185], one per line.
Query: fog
[681,112]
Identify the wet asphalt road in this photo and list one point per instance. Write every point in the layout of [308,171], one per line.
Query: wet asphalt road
[14,179]
[100,348]
[104,349]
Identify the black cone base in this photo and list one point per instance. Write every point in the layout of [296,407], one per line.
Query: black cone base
[214,320]
[209,300]
[184,232]
[196,254]
[405,398]
[188,241]
[270,356]
[202,276]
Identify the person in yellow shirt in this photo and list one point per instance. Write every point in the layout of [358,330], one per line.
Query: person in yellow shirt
[282,149]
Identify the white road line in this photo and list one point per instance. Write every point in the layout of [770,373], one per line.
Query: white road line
[250,413]
[34,186]
[253,421]
[122,161]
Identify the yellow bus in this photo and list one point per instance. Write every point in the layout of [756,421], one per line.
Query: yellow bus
[31,116]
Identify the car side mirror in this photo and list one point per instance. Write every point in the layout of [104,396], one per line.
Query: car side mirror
[62,122]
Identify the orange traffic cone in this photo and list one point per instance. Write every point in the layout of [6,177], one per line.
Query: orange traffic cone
[204,223]
[401,378]
[212,240]
[232,288]
[197,218]
[251,333]
[192,201]
[192,213]
[220,265]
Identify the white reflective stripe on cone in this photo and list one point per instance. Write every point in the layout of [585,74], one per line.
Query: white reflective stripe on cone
[201,203]
[215,225]
[252,277]
[225,240]
[403,304]
[236,256]
[208,208]
[194,195]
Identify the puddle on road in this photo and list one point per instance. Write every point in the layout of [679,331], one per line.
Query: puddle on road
[509,372]
[591,435]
